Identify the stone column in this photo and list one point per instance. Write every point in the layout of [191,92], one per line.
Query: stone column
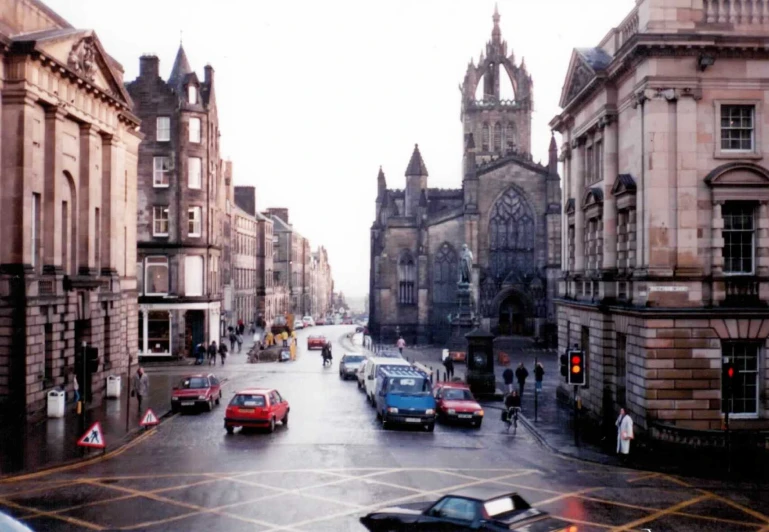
[687,260]
[717,240]
[610,173]
[658,224]
[111,198]
[762,242]
[578,189]
[54,179]
[89,198]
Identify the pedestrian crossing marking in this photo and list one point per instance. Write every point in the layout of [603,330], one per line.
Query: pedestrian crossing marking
[149,418]
[93,437]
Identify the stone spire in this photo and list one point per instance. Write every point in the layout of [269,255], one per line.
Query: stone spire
[496,33]
[553,156]
[381,183]
[181,68]
[416,165]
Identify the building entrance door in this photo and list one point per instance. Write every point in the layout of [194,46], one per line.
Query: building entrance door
[196,330]
[513,318]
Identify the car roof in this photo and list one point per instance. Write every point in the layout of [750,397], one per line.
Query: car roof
[316,336]
[201,375]
[354,355]
[391,361]
[457,385]
[403,371]
[255,391]
[482,494]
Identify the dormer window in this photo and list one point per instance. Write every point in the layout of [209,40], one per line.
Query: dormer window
[192,94]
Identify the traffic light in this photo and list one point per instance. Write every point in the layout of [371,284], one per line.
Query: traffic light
[92,359]
[565,366]
[729,374]
[576,367]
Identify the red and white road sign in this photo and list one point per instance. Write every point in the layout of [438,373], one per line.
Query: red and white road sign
[149,418]
[93,437]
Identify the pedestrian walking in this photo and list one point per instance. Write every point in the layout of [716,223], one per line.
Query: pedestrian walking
[624,434]
[241,328]
[239,338]
[520,375]
[401,344]
[213,349]
[539,374]
[222,351]
[75,386]
[233,339]
[507,377]
[449,365]
[140,386]
[200,354]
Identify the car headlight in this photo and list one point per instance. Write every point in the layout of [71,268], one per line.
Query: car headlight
[392,410]
[429,411]
[478,412]
[201,396]
[450,411]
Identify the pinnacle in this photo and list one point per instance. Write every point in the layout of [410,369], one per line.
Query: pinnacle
[416,165]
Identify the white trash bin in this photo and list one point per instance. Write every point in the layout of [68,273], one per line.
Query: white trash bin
[113,386]
[56,400]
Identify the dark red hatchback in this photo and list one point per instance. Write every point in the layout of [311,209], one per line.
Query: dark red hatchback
[196,391]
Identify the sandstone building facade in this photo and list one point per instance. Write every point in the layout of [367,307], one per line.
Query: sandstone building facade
[68,153]
[666,214]
[507,212]
[182,209]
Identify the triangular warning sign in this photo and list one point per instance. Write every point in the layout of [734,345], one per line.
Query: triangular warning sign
[93,437]
[149,418]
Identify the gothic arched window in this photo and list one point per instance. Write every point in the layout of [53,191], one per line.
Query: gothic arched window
[511,235]
[445,274]
[485,137]
[407,276]
[509,136]
[497,137]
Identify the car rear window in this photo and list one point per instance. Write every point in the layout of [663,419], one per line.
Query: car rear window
[409,385]
[454,394]
[193,383]
[248,400]
[353,358]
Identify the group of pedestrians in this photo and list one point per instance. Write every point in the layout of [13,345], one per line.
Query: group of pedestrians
[521,374]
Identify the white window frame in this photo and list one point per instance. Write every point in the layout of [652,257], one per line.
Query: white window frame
[158,171]
[163,128]
[195,221]
[755,152]
[192,94]
[198,183]
[160,209]
[194,132]
[147,264]
[200,281]
[752,243]
[757,372]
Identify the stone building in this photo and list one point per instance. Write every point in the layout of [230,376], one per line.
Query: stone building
[244,265]
[182,209]
[666,226]
[68,155]
[321,283]
[292,262]
[266,299]
[507,212]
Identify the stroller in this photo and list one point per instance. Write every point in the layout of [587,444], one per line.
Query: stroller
[326,354]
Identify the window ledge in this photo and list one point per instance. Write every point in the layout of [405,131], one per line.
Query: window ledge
[753,155]
[160,235]
[155,185]
[741,416]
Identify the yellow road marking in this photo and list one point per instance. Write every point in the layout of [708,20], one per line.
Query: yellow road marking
[567,495]
[659,514]
[39,513]
[644,477]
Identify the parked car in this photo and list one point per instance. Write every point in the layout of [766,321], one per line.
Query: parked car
[346,321]
[196,391]
[348,366]
[404,396]
[316,342]
[360,375]
[256,407]
[320,321]
[308,321]
[474,509]
[455,403]
[298,324]
[372,367]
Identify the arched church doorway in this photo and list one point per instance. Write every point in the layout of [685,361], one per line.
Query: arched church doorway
[514,317]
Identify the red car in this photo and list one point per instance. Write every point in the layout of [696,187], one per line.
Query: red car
[256,407]
[455,402]
[320,321]
[196,391]
[316,342]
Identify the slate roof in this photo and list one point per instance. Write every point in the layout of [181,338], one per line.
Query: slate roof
[180,69]
[416,164]
[627,181]
[596,58]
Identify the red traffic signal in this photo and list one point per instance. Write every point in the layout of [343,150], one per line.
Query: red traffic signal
[730,372]
[577,368]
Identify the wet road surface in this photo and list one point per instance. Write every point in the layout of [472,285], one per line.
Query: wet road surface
[334,463]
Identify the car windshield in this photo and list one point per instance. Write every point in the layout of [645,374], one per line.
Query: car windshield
[248,400]
[457,394]
[352,359]
[193,383]
[409,386]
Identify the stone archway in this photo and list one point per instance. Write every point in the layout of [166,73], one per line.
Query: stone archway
[514,313]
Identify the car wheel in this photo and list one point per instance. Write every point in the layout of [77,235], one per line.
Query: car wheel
[210,405]
[431,427]
[478,424]
[218,399]
[230,430]
[285,420]
[272,425]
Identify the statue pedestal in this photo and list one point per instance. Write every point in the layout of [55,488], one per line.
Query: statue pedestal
[462,321]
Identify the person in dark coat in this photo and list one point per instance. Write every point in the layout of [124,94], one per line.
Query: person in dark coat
[539,374]
[223,351]
[449,365]
[213,349]
[520,374]
[200,354]
[507,376]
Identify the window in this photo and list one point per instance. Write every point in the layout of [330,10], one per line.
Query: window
[156,276]
[194,221]
[163,128]
[485,137]
[193,275]
[497,137]
[445,275]
[194,179]
[192,94]
[407,279]
[589,165]
[510,136]
[739,236]
[598,164]
[744,400]
[737,127]
[160,221]
[455,508]
[194,129]
[161,171]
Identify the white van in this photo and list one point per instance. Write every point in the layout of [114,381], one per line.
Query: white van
[372,366]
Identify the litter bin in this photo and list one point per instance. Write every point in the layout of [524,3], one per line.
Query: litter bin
[113,386]
[56,400]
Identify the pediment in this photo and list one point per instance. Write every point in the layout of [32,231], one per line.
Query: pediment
[738,174]
[624,184]
[81,52]
[578,76]
[593,196]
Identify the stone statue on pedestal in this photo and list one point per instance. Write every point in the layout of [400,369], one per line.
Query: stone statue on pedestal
[466,266]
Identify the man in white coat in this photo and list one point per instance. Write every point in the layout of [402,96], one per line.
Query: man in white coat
[624,434]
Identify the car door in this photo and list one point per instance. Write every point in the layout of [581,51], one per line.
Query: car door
[450,514]
[216,386]
[279,405]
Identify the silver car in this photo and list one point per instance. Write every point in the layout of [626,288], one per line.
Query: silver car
[349,365]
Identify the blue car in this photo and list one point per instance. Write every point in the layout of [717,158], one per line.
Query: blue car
[404,396]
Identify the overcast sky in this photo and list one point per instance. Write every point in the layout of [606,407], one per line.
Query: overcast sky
[315,95]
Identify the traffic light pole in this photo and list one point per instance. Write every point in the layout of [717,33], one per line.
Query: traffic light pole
[728,437]
[576,417]
[536,390]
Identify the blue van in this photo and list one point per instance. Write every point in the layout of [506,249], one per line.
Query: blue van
[404,396]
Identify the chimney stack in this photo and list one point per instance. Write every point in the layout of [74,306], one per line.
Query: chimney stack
[208,74]
[149,66]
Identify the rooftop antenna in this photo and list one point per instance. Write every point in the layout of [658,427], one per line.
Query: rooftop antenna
[181,37]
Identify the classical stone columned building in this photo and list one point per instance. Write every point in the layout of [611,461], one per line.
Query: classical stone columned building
[69,156]
[507,212]
[182,209]
[666,215]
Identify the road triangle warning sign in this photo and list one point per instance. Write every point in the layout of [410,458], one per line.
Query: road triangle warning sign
[149,418]
[93,437]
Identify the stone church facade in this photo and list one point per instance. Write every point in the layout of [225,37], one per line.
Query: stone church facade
[507,211]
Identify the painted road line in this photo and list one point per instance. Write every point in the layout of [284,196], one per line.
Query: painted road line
[40,513]
[567,495]
[661,513]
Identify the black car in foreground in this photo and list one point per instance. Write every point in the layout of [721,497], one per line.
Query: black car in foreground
[476,509]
